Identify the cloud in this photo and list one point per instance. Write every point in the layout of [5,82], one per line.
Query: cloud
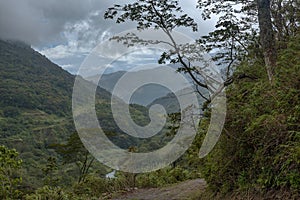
[81,37]
[59,52]
[67,31]
[42,22]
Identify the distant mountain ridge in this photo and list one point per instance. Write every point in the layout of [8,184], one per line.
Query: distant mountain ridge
[145,94]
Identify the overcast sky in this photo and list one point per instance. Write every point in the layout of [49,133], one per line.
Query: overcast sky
[67,30]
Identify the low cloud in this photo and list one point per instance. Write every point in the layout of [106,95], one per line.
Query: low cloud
[42,22]
[67,31]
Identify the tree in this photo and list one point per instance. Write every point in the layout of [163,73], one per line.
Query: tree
[285,19]
[236,27]
[9,164]
[166,16]
[74,152]
[259,147]
[50,172]
[267,36]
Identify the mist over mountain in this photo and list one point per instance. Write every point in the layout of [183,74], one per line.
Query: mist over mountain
[143,95]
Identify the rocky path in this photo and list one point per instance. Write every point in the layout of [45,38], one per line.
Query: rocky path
[186,190]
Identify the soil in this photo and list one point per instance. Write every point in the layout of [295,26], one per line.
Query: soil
[187,190]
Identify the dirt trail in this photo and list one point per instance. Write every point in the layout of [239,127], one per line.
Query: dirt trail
[182,191]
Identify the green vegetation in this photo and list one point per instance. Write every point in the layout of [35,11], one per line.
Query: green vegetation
[35,107]
[9,164]
[43,133]
[258,154]
[259,149]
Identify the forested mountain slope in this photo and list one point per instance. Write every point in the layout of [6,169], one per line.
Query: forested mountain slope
[35,111]
[30,81]
[35,106]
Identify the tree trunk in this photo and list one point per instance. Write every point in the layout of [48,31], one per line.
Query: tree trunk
[267,38]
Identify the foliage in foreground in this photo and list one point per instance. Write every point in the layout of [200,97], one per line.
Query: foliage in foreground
[260,146]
